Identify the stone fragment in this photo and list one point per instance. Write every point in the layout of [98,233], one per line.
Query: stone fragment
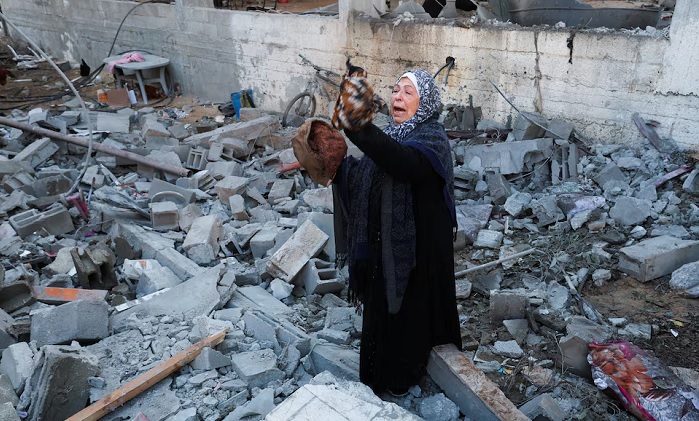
[201,243]
[38,152]
[8,412]
[304,244]
[488,239]
[15,295]
[438,407]
[656,257]
[543,407]
[505,305]
[685,280]
[17,364]
[164,215]
[341,361]
[630,211]
[257,368]
[210,359]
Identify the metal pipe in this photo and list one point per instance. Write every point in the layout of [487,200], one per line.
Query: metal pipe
[182,172]
[494,263]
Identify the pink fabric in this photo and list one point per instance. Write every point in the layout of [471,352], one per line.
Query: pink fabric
[126,58]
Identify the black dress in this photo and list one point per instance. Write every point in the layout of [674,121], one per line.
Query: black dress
[395,347]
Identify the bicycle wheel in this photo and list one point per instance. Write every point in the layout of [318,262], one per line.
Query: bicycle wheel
[302,105]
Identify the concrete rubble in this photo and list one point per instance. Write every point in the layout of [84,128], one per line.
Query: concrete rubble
[100,287]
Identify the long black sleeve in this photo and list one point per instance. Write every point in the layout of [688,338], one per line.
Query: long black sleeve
[402,162]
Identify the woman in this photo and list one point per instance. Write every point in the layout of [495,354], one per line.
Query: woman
[395,219]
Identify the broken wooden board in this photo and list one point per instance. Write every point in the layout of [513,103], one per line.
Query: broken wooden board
[474,393]
[146,380]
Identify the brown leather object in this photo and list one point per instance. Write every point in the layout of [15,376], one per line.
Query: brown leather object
[320,149]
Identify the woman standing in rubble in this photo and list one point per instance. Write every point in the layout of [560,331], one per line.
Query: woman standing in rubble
[394,219]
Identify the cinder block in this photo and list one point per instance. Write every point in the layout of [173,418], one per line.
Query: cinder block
[257,368]
[17,364]
[489,239]
[180,265]
[196,159]
[95,266]
[15,295]
[17,181]
[220,169]
[325,222]
[656,257]
[188,214]
[37,152]
[280,189]
[215,151]
[229,186]
[262,242]
[55,220]
[508,304]
[165,215]
[201,243]
[60,387]
[320,277]
[473,392]
[304,244]
[111,122]
[237,205]
[77,320]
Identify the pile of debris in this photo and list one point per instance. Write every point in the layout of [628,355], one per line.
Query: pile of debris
[192,268]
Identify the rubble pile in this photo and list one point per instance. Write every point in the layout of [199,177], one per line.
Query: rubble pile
[114,270]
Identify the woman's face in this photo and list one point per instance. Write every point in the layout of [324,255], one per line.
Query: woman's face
[404,101]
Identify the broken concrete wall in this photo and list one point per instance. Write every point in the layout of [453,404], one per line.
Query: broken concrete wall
[597,84]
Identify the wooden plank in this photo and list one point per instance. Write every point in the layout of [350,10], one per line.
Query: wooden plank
[473,392]
[54,295]
[146,380]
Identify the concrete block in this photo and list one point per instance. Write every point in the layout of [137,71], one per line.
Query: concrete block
[95,266]
[152,127]
[288,261]
[50,186]
[55,220]
[165,215]
[237,205]
[489,239]
[524,128]
[507,157]
[18,181]
[113,123]
[155,277]
[656,257]
[320,200]
[517,203]
[546,210]
[7,391]
[180,265]
[320,277]
[163,156]
[248,131]
[341,401]
[325,222]
[280,189]
[254,297]
[157,187]
[341,361]
[37,152]
[204,180]
[194,297]
[609,173]
[630,211]
[574,356]
[178,131]
[257,368]
[499,188]
[210,359]
[473,392]
[12,167]
[265,326]
[8,412]
[262,242]
[59,384]
[161,142]
[508,304]
[222,169]
[15,295]
[17,364]
[229,186]
[188,214]
[196,159]
[6,339]
[543,407]
[93,177]
[215,151]
[334,336]
[201,243]
[78,320]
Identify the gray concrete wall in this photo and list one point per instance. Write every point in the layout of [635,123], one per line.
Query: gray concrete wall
[214,52]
